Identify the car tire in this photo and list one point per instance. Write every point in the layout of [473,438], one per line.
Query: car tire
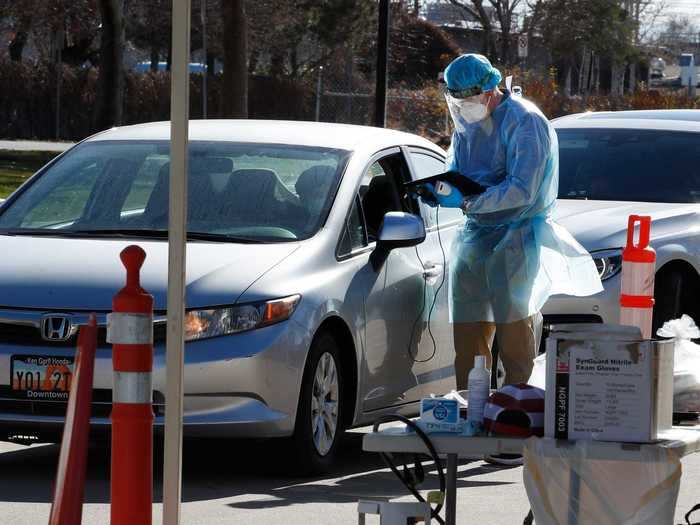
[318,426]
[668,298]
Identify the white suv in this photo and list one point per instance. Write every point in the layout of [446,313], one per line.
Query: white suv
[616,164]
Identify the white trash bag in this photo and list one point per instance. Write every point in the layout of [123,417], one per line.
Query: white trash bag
[538,377]
[686,363]
[587,483]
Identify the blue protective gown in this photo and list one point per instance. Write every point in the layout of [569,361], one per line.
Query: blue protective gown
[510,256]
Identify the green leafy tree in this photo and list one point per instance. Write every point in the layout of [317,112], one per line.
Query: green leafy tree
[291,38]
[573,28]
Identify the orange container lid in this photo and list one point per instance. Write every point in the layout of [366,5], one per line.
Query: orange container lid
[640,252]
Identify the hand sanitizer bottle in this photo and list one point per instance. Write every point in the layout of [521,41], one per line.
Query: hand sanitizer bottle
[478,383]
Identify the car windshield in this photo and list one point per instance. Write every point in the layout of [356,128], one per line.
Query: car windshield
[237,191]
[629,165]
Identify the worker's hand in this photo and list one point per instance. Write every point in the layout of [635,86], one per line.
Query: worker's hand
[448,196]
[426,195]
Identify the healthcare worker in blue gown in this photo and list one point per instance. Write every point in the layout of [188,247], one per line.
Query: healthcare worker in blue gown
[510,256]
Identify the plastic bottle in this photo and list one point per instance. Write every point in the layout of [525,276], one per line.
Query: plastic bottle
[478,383]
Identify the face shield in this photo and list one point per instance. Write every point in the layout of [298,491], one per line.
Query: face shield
[465,111]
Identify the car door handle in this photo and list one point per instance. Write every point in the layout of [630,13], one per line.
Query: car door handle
[431,271]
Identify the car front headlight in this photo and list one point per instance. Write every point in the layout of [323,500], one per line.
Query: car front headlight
[202,324]
[608,263]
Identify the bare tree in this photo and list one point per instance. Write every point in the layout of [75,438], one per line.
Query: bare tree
[235,47]
[677,33]
[20,36]
[475,10]
[505,10]
[646,14]
[110,86]
[534,12]
[503,13]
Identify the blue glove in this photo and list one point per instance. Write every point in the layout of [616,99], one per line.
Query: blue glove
[453,200]
[426,195]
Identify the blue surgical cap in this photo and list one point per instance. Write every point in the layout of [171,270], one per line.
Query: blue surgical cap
[470,70]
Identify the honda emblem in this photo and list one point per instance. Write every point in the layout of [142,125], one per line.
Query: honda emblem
[56,328]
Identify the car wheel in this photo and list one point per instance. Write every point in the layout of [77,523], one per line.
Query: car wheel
[668,298]
[318,425]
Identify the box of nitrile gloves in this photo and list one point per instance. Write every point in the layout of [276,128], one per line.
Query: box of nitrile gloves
[438,414]
[605,382]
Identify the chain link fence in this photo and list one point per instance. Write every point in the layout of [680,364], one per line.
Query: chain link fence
[347,100]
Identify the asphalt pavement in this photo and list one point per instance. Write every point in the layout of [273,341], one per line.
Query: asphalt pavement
[247,482]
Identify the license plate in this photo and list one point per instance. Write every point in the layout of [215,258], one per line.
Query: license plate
[45,378]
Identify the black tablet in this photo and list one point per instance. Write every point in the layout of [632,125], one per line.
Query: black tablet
[464,184]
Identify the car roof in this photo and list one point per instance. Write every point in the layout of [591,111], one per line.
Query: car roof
[302,133]
[658,119]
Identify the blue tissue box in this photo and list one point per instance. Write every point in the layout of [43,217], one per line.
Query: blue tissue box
[440,415]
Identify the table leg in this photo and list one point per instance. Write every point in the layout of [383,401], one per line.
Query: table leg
[451,490]
[574,494]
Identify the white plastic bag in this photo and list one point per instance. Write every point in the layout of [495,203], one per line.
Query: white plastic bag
[456,395]
[538,377]
[686,363]
[594,483]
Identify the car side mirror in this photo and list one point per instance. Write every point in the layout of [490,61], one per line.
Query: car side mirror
[398,230]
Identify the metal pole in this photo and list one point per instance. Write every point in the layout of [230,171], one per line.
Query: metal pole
[177,231]
[382,61]
[451,489]
[203,15]
[318,93]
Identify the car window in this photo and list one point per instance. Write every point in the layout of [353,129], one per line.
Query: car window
[354,236]
[144,183]
[379,192]
[63,199]
[426,166]
[629,165]
[261,192]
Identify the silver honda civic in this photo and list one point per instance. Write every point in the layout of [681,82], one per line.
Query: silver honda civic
[316,286]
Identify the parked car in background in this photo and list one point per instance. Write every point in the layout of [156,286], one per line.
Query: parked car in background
[657,67]
[311,277]
[612,165]
[195,67]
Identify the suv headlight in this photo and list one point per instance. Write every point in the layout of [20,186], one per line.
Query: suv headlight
[608,262]
[202,324]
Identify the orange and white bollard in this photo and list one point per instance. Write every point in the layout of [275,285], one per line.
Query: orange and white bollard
[130,330]
[638,270]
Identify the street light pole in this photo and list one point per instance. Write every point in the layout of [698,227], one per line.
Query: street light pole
[382,63]
[177,246]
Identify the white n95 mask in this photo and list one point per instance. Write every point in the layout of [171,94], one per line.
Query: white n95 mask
[466,111]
